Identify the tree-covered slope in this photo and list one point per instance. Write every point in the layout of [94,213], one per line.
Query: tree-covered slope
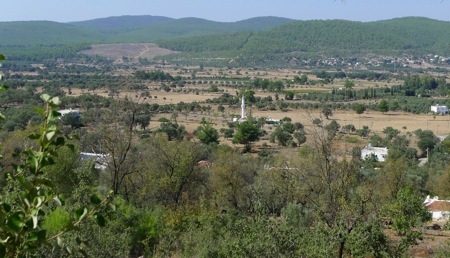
[186,27]
[216,42]
[119,23]
[418,32]
[332,36]
[260,23]
[44,33]
[256,39]
[124,29]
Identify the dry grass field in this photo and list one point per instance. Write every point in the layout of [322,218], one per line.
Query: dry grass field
[377,121]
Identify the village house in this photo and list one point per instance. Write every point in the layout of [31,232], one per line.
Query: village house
[439,209]
[379,153]
[64,112]
[101,160]
[442,110]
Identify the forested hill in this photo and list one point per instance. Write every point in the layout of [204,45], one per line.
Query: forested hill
[123,29]
[121,23]
[337,37]
[261,39]
[186,27]
[32,33]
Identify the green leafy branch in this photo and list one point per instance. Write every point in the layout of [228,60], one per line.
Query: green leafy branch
[23,213]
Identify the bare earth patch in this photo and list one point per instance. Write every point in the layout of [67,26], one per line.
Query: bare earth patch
[132,50]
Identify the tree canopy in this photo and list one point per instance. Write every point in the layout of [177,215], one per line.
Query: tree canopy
[246,133]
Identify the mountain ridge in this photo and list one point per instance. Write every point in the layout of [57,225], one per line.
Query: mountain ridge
[259,38]
[128,22]
[125,29]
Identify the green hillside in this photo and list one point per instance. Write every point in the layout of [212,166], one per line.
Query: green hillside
[418,33]
[121,23]
[262,23]
[329,38]
[44,33]
[261,39]
[124,29]
[187,27]
[334,36]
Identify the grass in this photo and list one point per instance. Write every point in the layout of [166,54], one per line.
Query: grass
[352,139]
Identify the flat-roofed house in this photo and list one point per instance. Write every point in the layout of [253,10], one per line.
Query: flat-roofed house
[442,110]
[379,152]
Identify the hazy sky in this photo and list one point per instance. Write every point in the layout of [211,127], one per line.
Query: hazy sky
[223,10]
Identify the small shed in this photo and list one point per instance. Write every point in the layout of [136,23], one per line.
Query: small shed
[379,152]
[442,110]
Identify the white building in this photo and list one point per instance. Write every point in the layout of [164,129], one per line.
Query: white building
[101,160]
[64,112]
[379,152]
[270,120]
[439,209]
[439,109]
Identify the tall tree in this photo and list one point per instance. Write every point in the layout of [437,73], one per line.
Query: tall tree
[383,106]
[143,120]
[335,191]
[427,140]
[232,177]
[408,213]
[116,139]
[207,134]
[247,132]
[172,171]
[173,130]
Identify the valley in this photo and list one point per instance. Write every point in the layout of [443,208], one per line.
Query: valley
[240,139]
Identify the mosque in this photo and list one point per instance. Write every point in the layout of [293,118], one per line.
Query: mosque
[243,117]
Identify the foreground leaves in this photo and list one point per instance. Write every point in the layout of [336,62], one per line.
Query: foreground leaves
[24,210]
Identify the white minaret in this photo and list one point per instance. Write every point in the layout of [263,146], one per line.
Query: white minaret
[243,108]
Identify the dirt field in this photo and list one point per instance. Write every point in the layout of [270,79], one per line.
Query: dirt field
[375,120]
[133,51]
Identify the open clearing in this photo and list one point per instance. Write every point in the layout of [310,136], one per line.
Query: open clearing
[132,50]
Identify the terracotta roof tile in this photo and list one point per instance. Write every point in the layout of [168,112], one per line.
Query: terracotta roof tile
[438,206]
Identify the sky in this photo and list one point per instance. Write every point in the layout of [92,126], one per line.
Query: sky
[223,10]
